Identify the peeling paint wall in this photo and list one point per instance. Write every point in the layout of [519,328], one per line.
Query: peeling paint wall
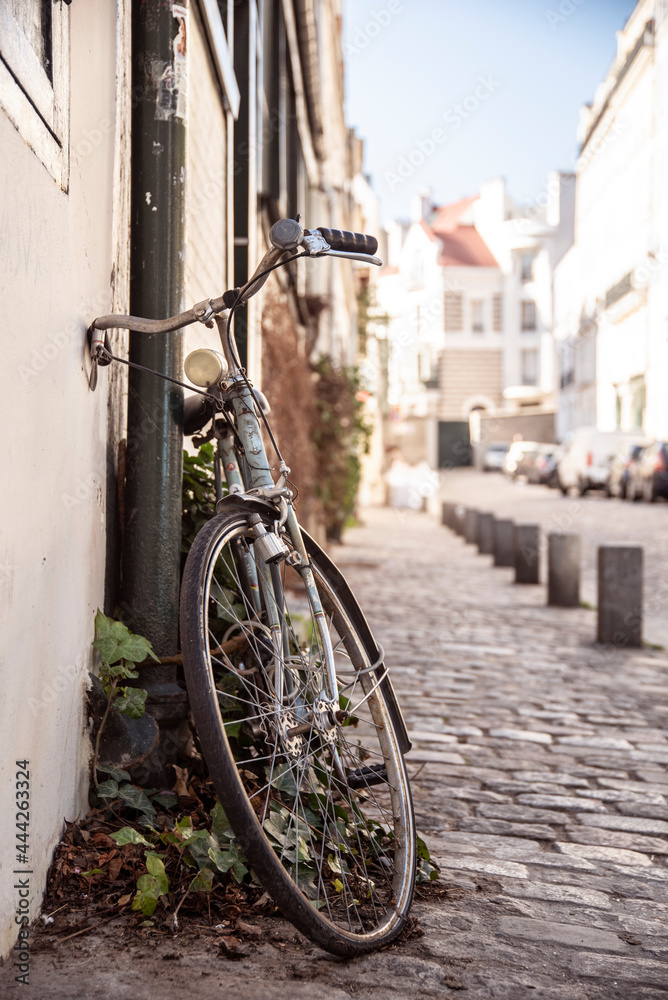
[63,261]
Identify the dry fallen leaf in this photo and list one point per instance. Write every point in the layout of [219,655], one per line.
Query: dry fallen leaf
[249,930]
[115,866]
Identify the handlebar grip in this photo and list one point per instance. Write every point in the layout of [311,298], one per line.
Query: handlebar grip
[340,239]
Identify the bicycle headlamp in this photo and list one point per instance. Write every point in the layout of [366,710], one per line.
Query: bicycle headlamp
[205,367]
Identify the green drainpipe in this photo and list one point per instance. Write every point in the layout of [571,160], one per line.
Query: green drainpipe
[152,536]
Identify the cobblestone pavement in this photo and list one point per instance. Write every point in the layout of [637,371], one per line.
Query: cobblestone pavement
[540,785]
[598,519]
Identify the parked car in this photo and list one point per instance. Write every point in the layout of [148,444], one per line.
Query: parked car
[544,469]
[587,456]
[649,478]
[527,464]
[494,454]
[622,468]
[516,453]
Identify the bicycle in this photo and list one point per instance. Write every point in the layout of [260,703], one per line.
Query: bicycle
[292,703]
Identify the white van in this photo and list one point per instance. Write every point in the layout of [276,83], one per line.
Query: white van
[587,454]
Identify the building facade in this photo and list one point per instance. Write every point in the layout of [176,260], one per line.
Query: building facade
[469,291]
[257,87]
[611,296]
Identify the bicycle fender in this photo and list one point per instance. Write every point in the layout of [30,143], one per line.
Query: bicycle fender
[242,503]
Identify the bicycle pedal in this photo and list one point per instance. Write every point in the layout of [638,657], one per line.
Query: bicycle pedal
[363,777]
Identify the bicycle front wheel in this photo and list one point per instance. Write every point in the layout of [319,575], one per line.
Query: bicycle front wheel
[315,788]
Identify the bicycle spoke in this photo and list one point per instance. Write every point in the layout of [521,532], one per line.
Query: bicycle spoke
[296,755]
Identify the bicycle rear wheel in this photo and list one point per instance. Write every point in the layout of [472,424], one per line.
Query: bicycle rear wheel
[318,799]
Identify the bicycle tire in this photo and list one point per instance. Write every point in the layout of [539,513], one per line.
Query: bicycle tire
[345,871]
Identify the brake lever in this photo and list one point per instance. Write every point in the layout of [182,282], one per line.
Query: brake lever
[349,255]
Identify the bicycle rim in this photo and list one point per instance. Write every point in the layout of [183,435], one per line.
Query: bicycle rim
[316,790]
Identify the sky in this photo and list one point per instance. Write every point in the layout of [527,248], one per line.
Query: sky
[450,93]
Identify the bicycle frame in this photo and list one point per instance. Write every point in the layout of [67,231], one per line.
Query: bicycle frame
[238,390]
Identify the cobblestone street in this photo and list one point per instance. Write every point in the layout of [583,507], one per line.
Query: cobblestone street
[596,518]
[540,784]
[540,770]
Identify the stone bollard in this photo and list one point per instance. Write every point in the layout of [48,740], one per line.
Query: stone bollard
[620,594]
[504,543]
[485,534]
[448,514]
[471,526]
[563,570]
[527,553]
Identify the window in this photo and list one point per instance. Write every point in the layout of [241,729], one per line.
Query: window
[637,386]
[34,78]
[618,291]
[530,367]
[528,315]
[453,312]
[497,312]
[526,266]
[477,316]
[567,355]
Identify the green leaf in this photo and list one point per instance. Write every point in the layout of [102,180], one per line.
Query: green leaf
[223,860]
[114,772]
[220,825]
[114,641]
[108,789]
[275,829]
[338,865]
[199,845]
[131,702]
[239,870]
[338,885]
[422,849]
[166,799]
[156,868]
[283,780]
[168,837]
[135,797]
[128,835]
[138,799]
[203,881]
[232,858]
[185,827]
[147,895]
[93,871]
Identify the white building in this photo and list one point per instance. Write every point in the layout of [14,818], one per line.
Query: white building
[611,294]
[469,290]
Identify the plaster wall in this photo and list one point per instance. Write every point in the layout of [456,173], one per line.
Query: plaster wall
[57,254]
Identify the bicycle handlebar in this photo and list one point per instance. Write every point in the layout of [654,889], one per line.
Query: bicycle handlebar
[286,235]
[341,239]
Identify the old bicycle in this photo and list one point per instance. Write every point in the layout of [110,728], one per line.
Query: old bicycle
[290,696]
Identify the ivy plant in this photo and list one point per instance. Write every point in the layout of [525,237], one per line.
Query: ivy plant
[120,651]
[206,852]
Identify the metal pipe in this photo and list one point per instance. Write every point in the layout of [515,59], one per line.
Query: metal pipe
[152,544]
